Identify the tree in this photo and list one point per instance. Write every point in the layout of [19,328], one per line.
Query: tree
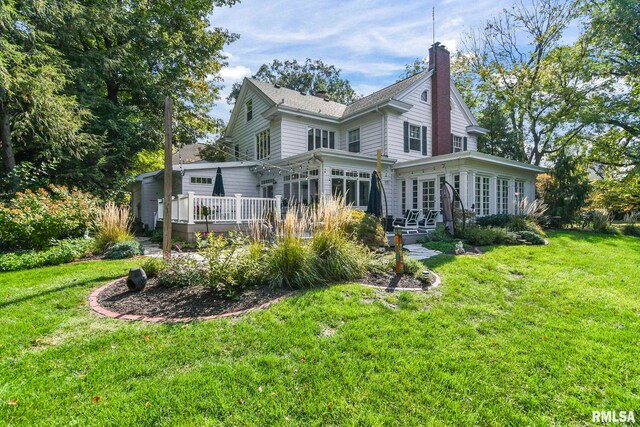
[541,84]
[310,77]
[40,125]
[126,56]
[613,37]
[501,139]
[565,189]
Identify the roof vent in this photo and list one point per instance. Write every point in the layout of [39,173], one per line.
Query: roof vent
[322,94]
[303,92]
[277,86]
[326,99]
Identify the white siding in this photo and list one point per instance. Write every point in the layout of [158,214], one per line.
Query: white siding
[295,131]
[459,123]
[244,133]
[370,133]
[151,191]
[420,114]
[235,179]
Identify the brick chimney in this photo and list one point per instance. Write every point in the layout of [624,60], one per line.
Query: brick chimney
[440,62]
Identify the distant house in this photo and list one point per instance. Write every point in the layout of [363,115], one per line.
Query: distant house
[300,146]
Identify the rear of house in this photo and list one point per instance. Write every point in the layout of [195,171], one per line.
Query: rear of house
[300,147]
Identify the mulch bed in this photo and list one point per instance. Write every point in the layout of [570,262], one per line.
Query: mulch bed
[161,303]
[390,281]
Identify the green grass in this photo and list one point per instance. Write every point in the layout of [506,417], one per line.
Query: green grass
[522,335]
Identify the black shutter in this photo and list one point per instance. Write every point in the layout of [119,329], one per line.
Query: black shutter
[451,151]
[464,143]
[406,137]
[424,140]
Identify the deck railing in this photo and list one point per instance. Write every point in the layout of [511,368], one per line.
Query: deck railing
[190,209]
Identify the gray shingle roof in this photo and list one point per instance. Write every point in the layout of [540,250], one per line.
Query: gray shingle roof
[382,95]
[293,99]
[314,104]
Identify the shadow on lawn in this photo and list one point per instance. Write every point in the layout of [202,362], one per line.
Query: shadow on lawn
[102,279]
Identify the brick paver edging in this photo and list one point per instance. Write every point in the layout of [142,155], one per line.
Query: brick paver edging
[386,288]
[95,306]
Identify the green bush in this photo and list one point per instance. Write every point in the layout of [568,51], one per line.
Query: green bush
[32,220]
[531,237]
[499,220]
[126,249]
[156,235]
[290,263]
[183,271]
[367,230]
[631,230]
[412,266]
[65,251]
[523,223]
[485,236]
[232,263]
[336,257]
[153,266]
[440,246]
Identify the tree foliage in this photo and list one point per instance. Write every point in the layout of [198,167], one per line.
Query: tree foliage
[100,70]
[310,77]
[39,122]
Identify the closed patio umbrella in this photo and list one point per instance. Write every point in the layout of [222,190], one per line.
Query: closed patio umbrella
[374,207]
[218,186]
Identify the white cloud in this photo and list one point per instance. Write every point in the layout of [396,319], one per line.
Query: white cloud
[235,73]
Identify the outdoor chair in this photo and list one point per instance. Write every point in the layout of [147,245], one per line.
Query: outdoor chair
[410,220]
[428,221]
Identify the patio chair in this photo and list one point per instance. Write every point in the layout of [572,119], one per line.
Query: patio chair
[428,221]
[410,220]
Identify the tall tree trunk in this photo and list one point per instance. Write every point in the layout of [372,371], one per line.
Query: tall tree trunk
[5,138]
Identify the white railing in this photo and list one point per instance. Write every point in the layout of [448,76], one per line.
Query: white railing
[192,209]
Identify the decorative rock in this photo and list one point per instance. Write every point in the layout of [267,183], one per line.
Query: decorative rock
[137,279]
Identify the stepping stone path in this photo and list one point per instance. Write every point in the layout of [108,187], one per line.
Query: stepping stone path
[419,252]
[150,248]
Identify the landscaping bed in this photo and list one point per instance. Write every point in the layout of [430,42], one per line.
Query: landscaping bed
[181,302]
[392,281]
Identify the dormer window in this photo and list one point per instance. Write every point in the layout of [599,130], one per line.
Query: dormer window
[424,96]
[249,109]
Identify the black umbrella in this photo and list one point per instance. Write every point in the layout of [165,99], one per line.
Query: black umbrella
[218,186]
[374,207]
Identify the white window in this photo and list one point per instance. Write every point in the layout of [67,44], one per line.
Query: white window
[456,186]
[457,143]
[482,195]
[415,194]
[414,137]
[320,138]
[428,196]
[201,180]
[263,144]
[353,185]
[249,109]
[503,196]
[424,96]
[403,192]
[518,196]
[354,140]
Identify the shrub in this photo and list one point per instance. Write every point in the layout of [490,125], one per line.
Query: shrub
[631,230]
[112,225]
[231,264]
[523,223]
[412,266]
[440,246]
[458,215]
[65,251]
[531,237]
[290,263]
[485,236]
[440,234]
[33,219]
[125,249]
[367,230]
[499,220]
[337,258]
[156,235]
[183,271]
[153,266]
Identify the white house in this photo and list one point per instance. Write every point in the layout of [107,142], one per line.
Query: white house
[300,146]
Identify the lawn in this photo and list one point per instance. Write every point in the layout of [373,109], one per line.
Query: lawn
[521,335]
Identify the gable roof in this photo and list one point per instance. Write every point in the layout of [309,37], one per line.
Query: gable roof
[297,100]
[384,94]
[189,153]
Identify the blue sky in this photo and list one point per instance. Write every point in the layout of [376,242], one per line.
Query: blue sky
[370,41]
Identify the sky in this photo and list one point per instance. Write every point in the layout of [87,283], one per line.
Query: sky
[369,40]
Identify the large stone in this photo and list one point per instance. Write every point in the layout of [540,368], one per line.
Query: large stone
[137,279]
